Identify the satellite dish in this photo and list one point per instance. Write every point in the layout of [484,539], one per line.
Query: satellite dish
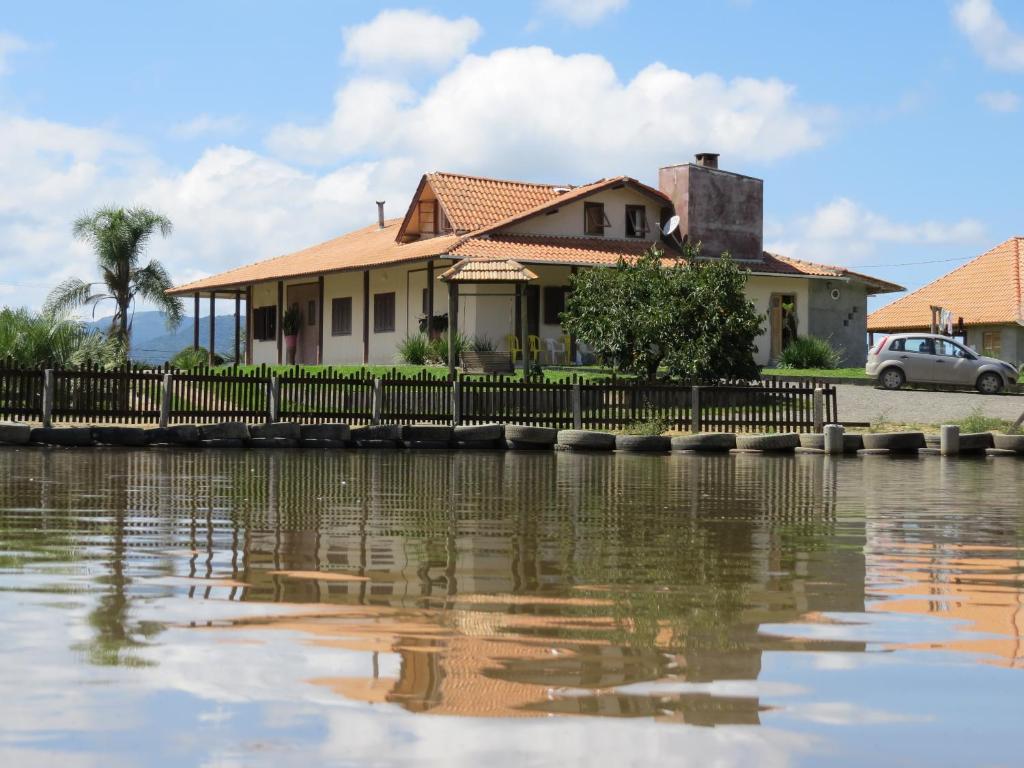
[670,226]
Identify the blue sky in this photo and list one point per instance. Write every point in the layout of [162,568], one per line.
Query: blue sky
[888,134]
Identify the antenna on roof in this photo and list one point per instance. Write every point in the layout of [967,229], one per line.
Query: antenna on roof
[670,231]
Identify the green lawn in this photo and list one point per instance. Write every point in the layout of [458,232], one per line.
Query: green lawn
[842,373]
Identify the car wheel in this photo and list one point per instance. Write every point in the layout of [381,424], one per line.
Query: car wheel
[990,383]
[892,378]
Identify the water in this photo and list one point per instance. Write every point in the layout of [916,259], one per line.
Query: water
[162,608]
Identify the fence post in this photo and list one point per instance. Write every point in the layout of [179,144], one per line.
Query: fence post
[273,399]
[165,401]
[818,407]
[456,402]
[577,405]
[695,424]
[48,387]
[378,401]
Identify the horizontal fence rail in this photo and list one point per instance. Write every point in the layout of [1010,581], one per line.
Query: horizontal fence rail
[141,395]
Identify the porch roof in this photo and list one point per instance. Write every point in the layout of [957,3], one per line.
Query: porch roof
[488,271]
[362,249]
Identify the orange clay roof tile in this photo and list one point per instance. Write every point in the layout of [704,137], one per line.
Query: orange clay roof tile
[488,271]
[479,208]
[472,202]
[985,290]
[367,247]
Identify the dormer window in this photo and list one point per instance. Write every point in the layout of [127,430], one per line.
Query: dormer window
[594,220]
[636,221]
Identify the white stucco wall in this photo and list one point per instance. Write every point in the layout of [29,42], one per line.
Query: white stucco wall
[1011,337]
[759,290]
[567,221]
[263,295]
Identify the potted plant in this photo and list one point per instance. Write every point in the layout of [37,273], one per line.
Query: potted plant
[291,323]
[481,357]
[437,326]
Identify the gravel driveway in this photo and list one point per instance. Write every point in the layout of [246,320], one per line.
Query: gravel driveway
[859,403]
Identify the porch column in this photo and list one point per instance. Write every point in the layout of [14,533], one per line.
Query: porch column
[366,316]
[238,327]
[453,327]
[195,321]
[320,323]
[280,317]
[248,325]
[524,333]
[430,298]
[572,339]
[213,326]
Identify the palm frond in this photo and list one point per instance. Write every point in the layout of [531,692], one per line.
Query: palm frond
[70,294]
[152,283]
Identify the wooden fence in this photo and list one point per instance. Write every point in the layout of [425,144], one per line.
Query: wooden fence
[133,395]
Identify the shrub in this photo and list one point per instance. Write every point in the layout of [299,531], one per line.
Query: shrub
[189,358]
[651,426]
[414,350]
[438,348]
[977,421]
[31,340]
[809,352]
[482,344]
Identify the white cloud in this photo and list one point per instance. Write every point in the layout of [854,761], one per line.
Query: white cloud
[9,44]
[231,207]
[532,113]
[520,112]
[999,46]
[409,38]
[584,13]
[205,125]
[1000,101]
[845,232]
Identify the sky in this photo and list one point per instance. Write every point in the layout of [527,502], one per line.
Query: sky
[888,134]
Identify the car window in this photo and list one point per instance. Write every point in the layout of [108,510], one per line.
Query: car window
[949,349]
[897,345]
[921,346]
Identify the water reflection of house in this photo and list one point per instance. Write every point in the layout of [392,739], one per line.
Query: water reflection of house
[497,577]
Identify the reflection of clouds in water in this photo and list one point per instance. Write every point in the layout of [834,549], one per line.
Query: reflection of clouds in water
[844,713]
[277,668]
[369,737]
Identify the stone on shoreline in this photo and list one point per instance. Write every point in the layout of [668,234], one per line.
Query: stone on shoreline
[13,433]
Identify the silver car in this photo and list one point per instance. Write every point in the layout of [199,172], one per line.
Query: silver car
[927,358]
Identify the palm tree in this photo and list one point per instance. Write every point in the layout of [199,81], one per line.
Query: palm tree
[119,237]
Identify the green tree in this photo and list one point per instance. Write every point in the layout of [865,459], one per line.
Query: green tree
[119,237]
[687,315]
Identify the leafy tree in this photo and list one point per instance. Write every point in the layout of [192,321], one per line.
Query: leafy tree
[687,315]
[31,340]
[119,237]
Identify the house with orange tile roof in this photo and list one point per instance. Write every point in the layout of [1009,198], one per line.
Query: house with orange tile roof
[984,297]
[360,295]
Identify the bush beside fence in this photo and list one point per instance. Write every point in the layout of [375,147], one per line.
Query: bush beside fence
[136,395]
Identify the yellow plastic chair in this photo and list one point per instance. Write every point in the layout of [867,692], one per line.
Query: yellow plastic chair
[514,350]
[534,344]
